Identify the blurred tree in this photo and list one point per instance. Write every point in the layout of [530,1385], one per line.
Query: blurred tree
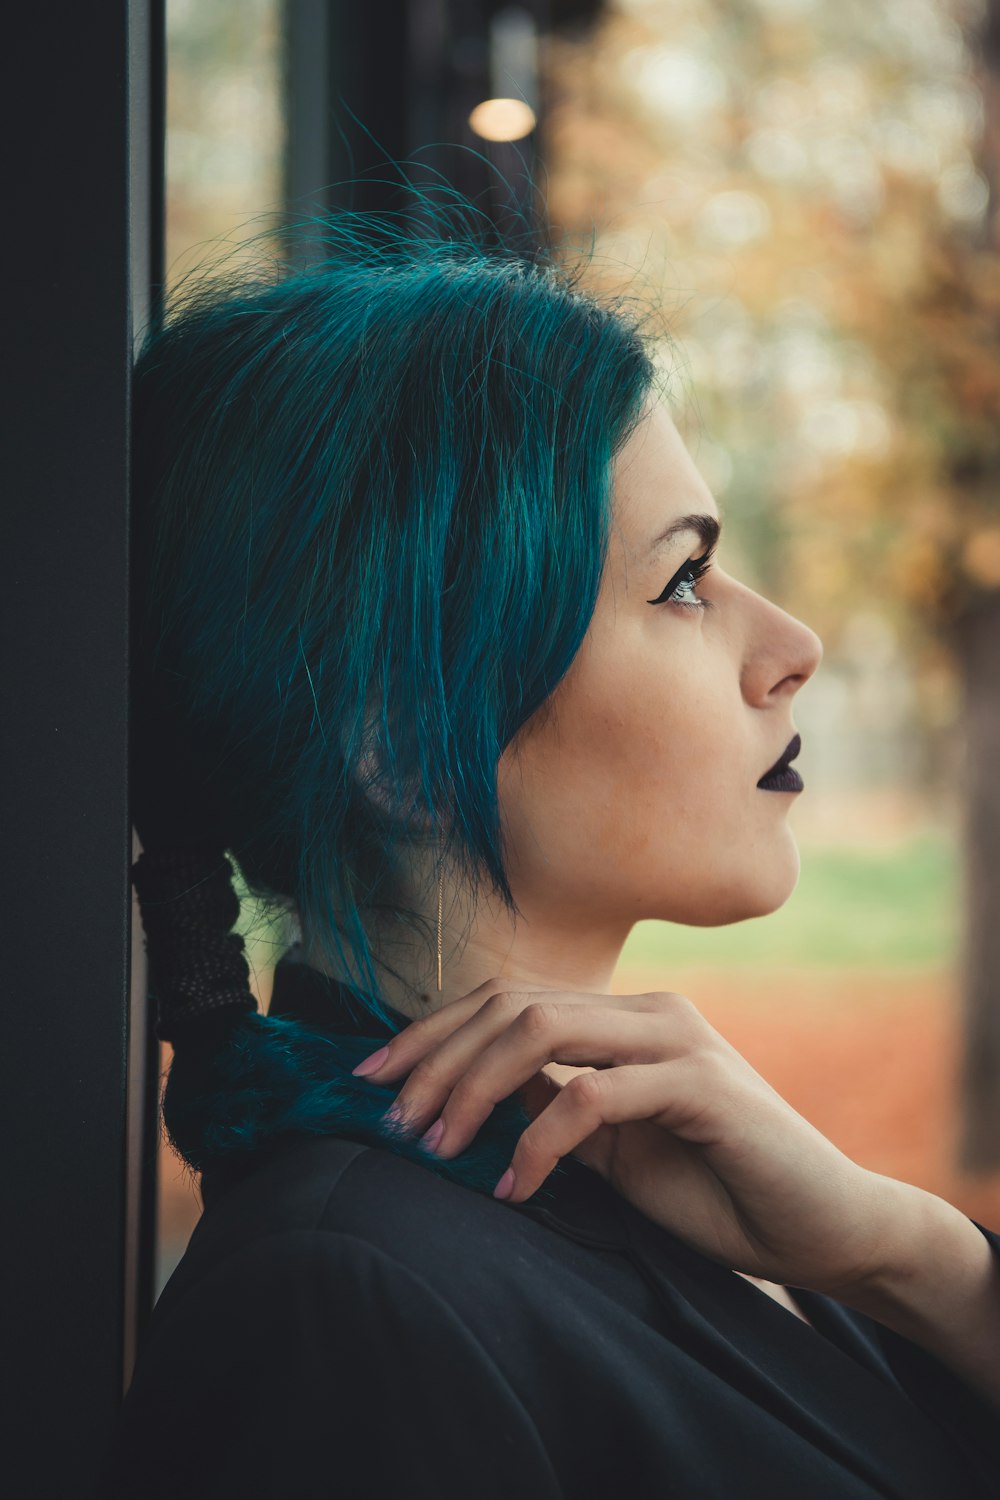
[811,189]
[970,284]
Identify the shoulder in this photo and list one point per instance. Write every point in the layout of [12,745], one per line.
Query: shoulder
[339,1186]
[333,1223]
[314,1291]
[291,1360]
[372,1215]
[301,1324]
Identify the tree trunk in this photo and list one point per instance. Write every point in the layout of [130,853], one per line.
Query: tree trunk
[978,642]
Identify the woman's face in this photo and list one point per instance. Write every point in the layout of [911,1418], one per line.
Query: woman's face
[635,795]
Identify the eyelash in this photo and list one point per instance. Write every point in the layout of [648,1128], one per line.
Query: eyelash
[693,570]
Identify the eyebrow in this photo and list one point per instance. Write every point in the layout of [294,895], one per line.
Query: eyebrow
[706,527]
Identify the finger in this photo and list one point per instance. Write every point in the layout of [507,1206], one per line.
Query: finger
[406,1048]
[415,1041]
[467,1076]
[426,1098]
[433,1075]
[652,1091]
[436,1073]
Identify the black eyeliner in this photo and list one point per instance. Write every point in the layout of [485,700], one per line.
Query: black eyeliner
[691,572]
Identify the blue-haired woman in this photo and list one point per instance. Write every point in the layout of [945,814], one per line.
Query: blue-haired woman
[431,635]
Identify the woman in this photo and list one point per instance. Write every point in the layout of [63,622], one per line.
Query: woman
[431,635]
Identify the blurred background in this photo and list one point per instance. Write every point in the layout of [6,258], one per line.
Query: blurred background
[807,192]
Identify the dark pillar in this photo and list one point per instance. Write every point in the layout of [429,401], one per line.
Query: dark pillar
[83,96]
[410,72]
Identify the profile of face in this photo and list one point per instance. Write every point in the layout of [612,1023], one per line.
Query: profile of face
[635,793]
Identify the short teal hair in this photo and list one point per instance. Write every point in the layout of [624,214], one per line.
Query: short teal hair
[372,503]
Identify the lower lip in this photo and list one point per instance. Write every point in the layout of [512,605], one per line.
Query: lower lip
[784,781]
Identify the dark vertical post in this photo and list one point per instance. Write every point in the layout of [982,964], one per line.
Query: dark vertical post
[410,72]
[83,97]
[977,642]
[147,243]
[335,56]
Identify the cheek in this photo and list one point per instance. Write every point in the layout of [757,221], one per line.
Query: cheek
[636,795]
[647,723]
[635,749]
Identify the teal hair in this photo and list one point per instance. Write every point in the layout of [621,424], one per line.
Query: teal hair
[372,502]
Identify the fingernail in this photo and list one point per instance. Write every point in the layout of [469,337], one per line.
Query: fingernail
[371,1064]
[431,1140]
[505,1186]
[393,1115]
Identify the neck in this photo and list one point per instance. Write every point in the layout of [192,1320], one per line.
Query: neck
[543,948]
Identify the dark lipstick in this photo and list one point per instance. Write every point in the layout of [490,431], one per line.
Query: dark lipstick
[781,777]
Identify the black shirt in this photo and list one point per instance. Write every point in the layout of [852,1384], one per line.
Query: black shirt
[347,1323]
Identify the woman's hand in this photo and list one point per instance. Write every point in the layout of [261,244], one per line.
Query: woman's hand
[668,1113]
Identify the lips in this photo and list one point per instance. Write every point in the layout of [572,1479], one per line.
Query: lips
[781,778]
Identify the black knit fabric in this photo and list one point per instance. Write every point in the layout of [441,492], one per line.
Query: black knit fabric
[197,965]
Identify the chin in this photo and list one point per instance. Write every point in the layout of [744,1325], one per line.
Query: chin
[770,890]
[761,890]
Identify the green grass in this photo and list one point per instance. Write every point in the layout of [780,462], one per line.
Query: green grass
[852,908]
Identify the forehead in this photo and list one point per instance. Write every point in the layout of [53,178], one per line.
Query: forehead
[655,483]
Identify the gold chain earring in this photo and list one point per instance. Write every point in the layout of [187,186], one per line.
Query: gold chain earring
[440,901]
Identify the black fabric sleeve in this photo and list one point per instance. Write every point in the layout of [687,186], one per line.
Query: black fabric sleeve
[311,1364]
[971,1421]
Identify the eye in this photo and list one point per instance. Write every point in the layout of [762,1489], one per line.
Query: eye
[683,582]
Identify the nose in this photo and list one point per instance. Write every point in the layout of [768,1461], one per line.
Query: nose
[782,654]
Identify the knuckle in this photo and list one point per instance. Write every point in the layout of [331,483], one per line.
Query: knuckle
[424,1074]
[679,1010]
[466,1093]
[503,1003]
[586,1089]
[412,1037]
[538,1018]
[674,1003]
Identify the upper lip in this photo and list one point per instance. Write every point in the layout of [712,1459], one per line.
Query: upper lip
[789,753]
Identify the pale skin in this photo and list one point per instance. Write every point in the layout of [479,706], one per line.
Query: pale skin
[637,798]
